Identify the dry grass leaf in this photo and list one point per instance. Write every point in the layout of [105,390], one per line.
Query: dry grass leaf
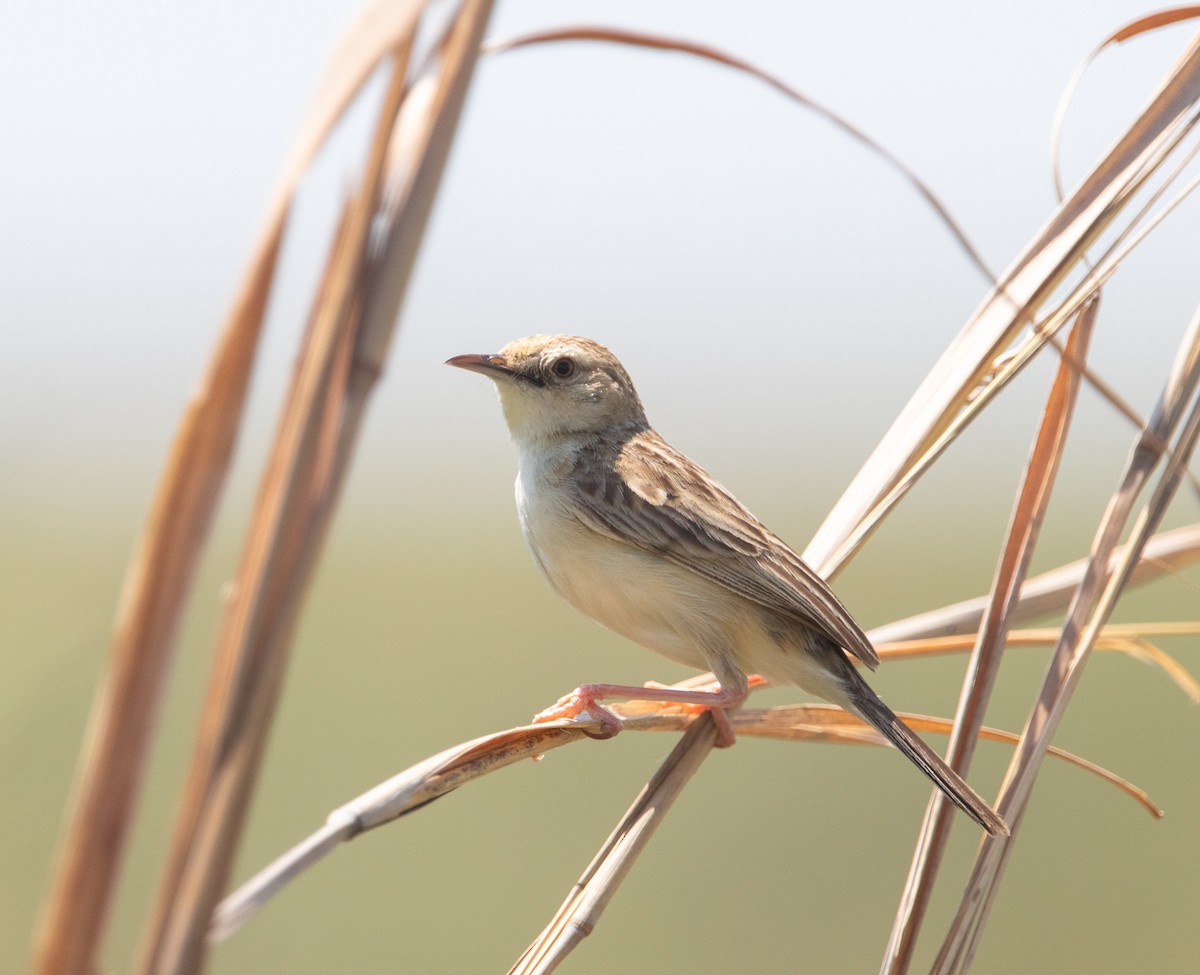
[977,358]
[1049,592]
[161,571]
[1029,510]
[1135,28]
[302,481]
[577,916]
[416,787]
[299,490]
[1094,600]
[1127,638]
[154,595]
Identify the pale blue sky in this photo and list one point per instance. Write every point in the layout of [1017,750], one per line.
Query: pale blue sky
[661,205]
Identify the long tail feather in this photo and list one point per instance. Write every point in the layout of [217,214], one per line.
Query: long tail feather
[867,705]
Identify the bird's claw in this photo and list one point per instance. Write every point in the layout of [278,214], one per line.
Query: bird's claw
[577,703]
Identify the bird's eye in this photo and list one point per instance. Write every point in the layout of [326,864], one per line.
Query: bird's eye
[563,368]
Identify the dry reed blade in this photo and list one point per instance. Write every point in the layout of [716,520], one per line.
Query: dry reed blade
[579,913]
[403,793]
[1129,639]
[962,410]
[1037,271]
[1094,600]
[1135,28]
[147,622]
[415,787]
[940,726]
[1029,510]
[299,490]
[1048,592]
[161,571]
[249,659]
[831,725]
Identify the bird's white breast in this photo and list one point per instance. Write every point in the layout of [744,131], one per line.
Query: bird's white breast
[637,594]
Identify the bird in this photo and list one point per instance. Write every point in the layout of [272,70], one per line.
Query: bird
[636,535]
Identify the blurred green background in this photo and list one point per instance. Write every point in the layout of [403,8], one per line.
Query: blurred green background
[775,292]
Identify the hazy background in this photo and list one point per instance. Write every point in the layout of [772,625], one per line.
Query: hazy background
[776,293]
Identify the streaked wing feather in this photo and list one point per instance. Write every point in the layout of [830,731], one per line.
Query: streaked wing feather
[646,493]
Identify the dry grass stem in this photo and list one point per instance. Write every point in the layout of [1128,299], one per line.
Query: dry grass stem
[1129,639]
[1094,600]
[1049,592]
[298,493]
[1029,510]
[416,787]
[915,440]
[402,793]
[155,594]
[301,484]
[1135,28]
[577,916]
[287,526]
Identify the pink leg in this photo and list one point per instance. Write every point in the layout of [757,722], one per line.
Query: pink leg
[725,733]
[585,698]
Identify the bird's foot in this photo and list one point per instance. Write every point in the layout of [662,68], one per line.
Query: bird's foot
[582,700]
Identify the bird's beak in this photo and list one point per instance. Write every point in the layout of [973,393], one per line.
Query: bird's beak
[489,365]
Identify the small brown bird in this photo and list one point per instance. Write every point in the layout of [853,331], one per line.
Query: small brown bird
[635,535]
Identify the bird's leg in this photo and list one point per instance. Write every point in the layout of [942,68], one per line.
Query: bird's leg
[725,734]
[753,682]
[585,698]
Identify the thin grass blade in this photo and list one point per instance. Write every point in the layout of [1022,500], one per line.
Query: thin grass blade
[1094,600]
[300,487]
[971,358]
[1135,28]
[1029,509]
[154,596]
[577,916]
[1050,592]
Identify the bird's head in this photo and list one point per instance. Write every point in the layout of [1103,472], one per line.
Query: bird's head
[553,386]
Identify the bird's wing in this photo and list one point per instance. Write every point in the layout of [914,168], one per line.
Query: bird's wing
[649,495]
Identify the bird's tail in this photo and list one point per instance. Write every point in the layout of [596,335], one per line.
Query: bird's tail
[867,705]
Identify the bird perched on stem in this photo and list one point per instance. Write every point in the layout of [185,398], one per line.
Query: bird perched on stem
[634,534]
